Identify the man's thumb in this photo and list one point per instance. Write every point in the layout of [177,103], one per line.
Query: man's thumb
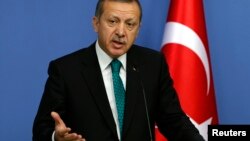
[57,118]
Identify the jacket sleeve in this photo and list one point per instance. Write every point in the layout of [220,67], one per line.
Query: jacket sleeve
[52,100]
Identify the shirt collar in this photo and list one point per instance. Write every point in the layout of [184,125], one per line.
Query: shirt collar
[104,59]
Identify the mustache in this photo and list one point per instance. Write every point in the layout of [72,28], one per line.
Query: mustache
[119,39]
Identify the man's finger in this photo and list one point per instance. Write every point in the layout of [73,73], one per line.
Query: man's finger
[73,136]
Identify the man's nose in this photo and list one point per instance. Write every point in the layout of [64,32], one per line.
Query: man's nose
[120,30]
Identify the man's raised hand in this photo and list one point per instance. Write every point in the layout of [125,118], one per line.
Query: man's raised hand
[62,132]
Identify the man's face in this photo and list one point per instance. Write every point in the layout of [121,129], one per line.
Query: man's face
[117,27]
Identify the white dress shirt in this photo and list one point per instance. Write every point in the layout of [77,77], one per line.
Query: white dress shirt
[104,62]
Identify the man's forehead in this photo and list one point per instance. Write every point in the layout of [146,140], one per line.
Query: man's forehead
[121,9]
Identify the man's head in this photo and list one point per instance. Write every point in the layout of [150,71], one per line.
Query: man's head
[117,23]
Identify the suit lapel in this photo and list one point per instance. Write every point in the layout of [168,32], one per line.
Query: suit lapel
[132,90]
[92,75]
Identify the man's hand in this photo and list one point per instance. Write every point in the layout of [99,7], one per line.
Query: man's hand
[62,133]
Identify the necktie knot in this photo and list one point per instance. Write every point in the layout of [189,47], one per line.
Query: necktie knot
[116,65]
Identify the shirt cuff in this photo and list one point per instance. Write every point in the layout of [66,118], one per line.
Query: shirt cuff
[53,136]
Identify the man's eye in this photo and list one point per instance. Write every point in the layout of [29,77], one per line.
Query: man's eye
[112,22]
[130,25]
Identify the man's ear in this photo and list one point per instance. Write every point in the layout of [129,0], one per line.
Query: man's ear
[95,22]
[138,30]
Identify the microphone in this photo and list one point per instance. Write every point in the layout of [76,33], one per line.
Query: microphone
[145,102]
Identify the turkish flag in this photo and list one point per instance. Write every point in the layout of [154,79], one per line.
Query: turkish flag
[185,46]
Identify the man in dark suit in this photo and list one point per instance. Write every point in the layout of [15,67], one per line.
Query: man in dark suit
[79,91]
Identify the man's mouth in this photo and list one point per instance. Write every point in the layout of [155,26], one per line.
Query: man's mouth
[118,42]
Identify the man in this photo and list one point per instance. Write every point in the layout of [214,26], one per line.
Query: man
[79,101]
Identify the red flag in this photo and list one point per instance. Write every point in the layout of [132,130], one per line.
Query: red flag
[185,46]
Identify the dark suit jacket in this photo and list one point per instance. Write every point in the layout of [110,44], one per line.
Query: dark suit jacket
[75,89]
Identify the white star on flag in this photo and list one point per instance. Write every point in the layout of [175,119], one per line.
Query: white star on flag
[202,127]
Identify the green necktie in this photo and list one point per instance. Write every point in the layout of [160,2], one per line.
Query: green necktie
[119,91]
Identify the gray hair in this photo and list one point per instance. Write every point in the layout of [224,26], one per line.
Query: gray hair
[99,6]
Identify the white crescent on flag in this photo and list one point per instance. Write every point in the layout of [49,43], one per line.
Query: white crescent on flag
[181,34]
